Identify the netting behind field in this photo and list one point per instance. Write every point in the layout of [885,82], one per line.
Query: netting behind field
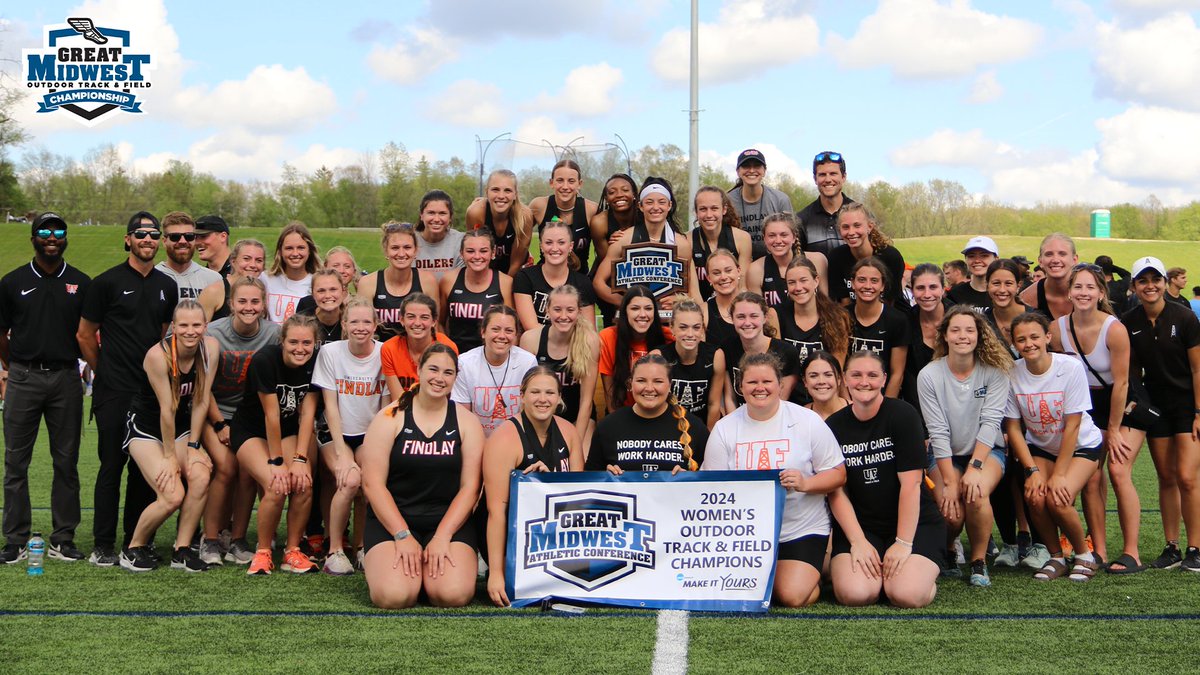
[532,161]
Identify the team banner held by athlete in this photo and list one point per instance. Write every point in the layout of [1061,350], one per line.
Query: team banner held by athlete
[695,541]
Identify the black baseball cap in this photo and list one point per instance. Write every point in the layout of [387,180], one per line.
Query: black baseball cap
[751,155]
[211,225]
[47,220]
[135,221]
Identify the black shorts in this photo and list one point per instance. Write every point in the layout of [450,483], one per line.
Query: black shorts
[136,429]
[809,549]
[238,435]
[325,438]
[1095,454]
[929,541]
[1101,405]
[422,527]
[1178,413]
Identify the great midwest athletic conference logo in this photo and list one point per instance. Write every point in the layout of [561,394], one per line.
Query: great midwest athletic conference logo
[87,71]
[589,538]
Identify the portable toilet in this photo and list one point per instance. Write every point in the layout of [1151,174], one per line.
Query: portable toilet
[1101,223]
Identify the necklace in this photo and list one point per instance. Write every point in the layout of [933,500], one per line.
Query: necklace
[499,410]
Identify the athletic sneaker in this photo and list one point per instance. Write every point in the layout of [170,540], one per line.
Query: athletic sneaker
[154,555]
[240,552]
[1169,559]
[1038,556]
[992,549]
[950,565]
[360,559]
[313,547]
[12,554]
[225,538]
[338,564]
[1024,542]
[960,558]
[188,560]
[296,562]
[137,559]
[979,574]
[65,552]
[1009,556]
[1191,560]
[262,563]
[210,552]
[103,556]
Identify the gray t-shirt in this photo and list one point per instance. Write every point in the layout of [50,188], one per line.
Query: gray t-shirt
[191,281]
[236,350]
[441,256]
[753,214]
[960,413]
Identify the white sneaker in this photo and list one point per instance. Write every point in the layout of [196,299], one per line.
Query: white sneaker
[1037,557]
[338,564]
[958,552]
[360,559]
[210,552]
[1008,556]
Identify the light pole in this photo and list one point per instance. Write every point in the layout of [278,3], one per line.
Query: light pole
[694,116]
[483,150]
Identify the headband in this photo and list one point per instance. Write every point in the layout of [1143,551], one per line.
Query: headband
[655,188]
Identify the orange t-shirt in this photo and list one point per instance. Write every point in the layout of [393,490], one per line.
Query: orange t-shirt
[608,352]
[397,362]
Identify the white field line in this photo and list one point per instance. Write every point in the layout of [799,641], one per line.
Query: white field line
[671,643]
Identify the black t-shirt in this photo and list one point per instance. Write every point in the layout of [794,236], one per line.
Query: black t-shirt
[889,331]
[841,260]
[325,333]
[690,383]
[267,374]
[1160,349]
[1177,299]
[42,312]
[876,451]
[635,443]
[964,294]
[819,228]
[787,353]
[131,310]
[805,341]
[531,281]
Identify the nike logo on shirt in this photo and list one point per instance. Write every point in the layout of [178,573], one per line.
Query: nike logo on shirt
[28,291]
[126,292]
[450,432]
[489,296]
[1136,332]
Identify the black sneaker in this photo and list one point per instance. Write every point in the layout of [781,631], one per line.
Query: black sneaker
[188,560]
[1169,559]
[992,549]
[65,552]
[1191,560]
[12,554]
[137,559]
[103,556]
[950,565]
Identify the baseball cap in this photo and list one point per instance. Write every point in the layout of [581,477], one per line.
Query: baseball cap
[751,155]
[135,221]
[211,225]
[984,243]
[1148,263]
[1021,260]
[47,220]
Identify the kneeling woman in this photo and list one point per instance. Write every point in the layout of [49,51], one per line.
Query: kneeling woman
[889,534]
[172,404]
[653,434]
[762,435]
[421,474]
[537,440]
[1061,446]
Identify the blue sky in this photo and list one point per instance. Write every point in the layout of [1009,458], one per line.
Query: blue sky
[1025,102]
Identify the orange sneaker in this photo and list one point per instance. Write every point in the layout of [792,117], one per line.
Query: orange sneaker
[296,562]
[1090,545]
[262,563]
[1065,544]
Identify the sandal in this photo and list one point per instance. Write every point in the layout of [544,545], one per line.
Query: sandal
[1084,570]
[1127,563]
[1052,570]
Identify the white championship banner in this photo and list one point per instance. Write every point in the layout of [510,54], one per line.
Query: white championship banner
[695,541]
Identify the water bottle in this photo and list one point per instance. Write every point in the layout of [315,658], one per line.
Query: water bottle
[36,555]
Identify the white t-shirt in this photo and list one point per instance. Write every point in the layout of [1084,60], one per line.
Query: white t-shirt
[191,281]
[358,382]
[795,438]
[1043,402]
[283,294]
[442,256]
[480,383]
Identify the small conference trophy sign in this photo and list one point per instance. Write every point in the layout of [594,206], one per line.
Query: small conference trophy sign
[655,266]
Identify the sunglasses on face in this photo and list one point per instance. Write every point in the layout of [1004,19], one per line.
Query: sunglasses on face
[828,157]
[46,233]
[186,236]
[142,234]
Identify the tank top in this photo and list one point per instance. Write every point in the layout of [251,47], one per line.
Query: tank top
[145,402]
[424,471]
[701,251]
[505,243]
[222,311]
[566,379]
[805,341]
[581,233]
[554,453]
[690,383]
[465,308]
[642,234]
[1100,359]
[387,306]
[774,285]
[1043,305]
[719,331]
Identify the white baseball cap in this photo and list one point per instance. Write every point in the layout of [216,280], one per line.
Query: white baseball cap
[1148,263]
[984,243]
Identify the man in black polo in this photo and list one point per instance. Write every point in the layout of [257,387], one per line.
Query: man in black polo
[130,305]
[818,220]
[40,304]
[212,244]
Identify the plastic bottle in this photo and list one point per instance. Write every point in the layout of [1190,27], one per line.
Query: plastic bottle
[36,555]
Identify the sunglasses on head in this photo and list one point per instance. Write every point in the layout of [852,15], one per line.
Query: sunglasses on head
[46,233]
[186,236]
[828,157]
[1090,267]
[142,234]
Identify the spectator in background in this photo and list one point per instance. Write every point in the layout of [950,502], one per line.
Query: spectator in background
[818,221]
[212,244]
[956,272]
[1036,276]
[1118,283]
[1023,278]
[979,253]
[1195,301]
[753,201]
[1176,282]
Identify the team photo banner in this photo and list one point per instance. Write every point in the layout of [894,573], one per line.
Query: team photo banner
[701,541]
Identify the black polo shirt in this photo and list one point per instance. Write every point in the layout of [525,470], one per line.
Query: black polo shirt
[42,312]
[1161,349]
[131,310]
[818,227]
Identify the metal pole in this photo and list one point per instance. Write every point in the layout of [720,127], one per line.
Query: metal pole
[628,163]
[483,155]
[694,116]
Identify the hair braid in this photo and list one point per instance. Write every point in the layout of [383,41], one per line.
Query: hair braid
[685,438]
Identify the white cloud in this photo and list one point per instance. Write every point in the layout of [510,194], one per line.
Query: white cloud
[1151,8]
[270,99]
[543,128]
[986,88]
[947,147]
[929,39]
[778,162]
[587,91]
[1074,180]
[488,20]
[243,155]
[408,61]
[1151,146]
[469,103]
[748,37]
[1155,64]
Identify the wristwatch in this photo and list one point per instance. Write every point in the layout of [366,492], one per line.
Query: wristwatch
[195,445]
[401,535]
[219,425]
[1030,470]
[977,464]
[275,461]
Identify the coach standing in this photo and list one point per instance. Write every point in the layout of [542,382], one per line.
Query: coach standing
[40,304]
[130,305]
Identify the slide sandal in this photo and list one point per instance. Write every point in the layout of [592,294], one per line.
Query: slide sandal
[1129,565]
